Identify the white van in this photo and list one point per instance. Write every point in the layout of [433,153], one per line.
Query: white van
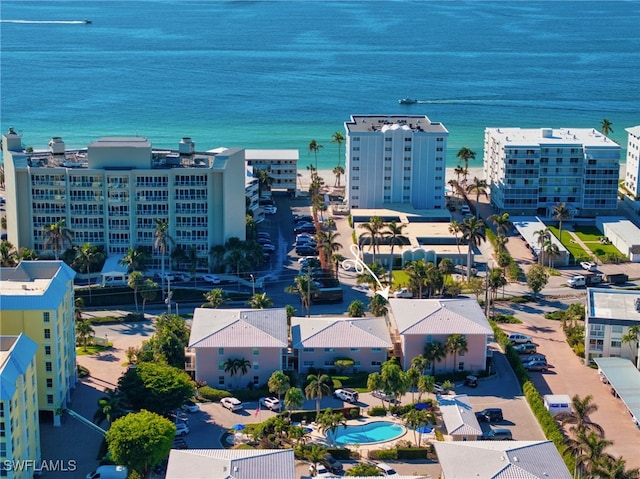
[115,280]
[557,403]
[109,472]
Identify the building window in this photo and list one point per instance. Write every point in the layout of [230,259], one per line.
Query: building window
[308,364]
[220,351]
[388,139]
[354,350]
[49,382]
[356,138]
[49,398]
[46,316]
[376,363]
[616,329]
[48,366]
[47,333]
[355,168]
[308,350]
[47,350]
[356,148]
[329,350]
[220,365]
[461,366]
[376,350]
[616,343]
[220,380]
[355,158]
[256,380]
[256,366]
[256,351]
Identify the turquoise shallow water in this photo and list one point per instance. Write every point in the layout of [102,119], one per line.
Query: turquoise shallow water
[278,74]
[377,431]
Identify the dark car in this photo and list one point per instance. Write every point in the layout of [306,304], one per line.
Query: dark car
[471,381]
[333,465]
[300,218]
[304,250]
[492,414]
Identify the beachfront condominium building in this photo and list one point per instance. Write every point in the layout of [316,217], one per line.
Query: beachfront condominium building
[111,193]
[610,316]
[37,299]
[282,166]
[529,171]
[19,426]
[632,172]
[395,159]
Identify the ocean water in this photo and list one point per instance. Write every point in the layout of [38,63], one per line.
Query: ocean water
[278,74]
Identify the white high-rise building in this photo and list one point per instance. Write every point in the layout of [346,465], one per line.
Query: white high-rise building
[529,171]
[395,159]
[111,192]
[632,173]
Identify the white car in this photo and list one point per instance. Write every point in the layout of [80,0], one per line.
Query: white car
[182,429]
[232,404]
[190,406]
[211,278]
[403,293]
[271,403]
[269,210]
[167,276]
[320,470]
[589,266]
[516,338]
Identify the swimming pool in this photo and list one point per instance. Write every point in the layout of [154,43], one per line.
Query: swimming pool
[377,431]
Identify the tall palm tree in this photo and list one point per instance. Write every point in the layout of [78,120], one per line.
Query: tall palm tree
[78,304]
[615,469]
[552,251]
[338,138]
[579,417]
[317,388]
[373,229]
[561,212]
[338,171]
[8,254]
[420,363]
[588,449]
[260,301]
[216,298]
[305,287]
[84,332]
[543,235]
[329,421]
[473,233]
[426,384]
[455,344]
[327,243]
[464,155]
[495,280]
[502,222]
[108,407]
[162,241]
[135,281]
[378,273]
[501,243]
[134,260]
[434,352]
[479,187]
[149,291]
[605,127]
[454,228]
[394,233]
[315,147]
[57,236]
[631,337]
[278,383]
[293,399]
[265,180]
[87,256]
[378,306]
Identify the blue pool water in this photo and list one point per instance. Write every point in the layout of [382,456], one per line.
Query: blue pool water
[378,431]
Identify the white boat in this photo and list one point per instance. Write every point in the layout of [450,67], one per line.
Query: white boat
[407,101]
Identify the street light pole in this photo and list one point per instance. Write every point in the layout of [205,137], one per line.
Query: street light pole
[253,284]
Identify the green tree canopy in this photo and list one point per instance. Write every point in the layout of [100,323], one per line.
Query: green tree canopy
[140,441]
[156,387]
[537,278]
[170,339]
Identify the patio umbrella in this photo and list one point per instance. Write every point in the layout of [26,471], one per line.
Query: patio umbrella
[424,429]
[308,430]
[239,427]
[422,406]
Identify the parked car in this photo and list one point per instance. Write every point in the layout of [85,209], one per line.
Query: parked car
[333,465]
[525,348]
[319,469]
[500,434]
[268,247]
[302,218]
[179,443]
[348,395]
[403,293]
[269,209]
[471,381]
[305,250]
[534,357]
[588,265]
[232,404]
[305,228]
[492,414]
[167,276]
[182,276]
[263,234]
[181,429]
[536,365]
[516,338]
[386,469]
[464,209]
[211,278]
[190,406]
[271,403]
[384,396]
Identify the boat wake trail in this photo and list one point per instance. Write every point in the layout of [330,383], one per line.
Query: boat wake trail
[47,22]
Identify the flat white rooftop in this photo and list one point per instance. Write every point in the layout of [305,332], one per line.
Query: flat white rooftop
[551,136]
[613,304]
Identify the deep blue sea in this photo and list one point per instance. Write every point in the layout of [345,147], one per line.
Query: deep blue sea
[277,74]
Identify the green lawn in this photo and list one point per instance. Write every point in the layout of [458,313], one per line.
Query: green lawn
[575,249]
[587,233]
[400,278]
[590,236]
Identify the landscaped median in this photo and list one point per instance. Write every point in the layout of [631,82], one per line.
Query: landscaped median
[550,427]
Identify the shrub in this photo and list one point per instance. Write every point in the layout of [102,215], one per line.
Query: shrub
[507,318]
[377,411]
[439,435]
[579,350]
[339,453]
[83,372]
[412,453]
[383,454]
[209,394]
[354,413]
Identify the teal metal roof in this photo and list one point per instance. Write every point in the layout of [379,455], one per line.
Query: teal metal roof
[625,379]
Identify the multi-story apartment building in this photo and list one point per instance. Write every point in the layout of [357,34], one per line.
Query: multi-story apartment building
[37,299]
[529,171]
[632,172]
[282,166]
[609,316]
[395,159]
[111,193]
[19,426]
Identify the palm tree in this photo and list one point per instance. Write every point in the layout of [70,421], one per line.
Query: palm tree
[464,155]
[26,254]
[543,235]
[378,305]
[134,260]
[57,236]
[315,147]
[78,304]
[338,138]
[479,187]
[413,376]
[84,332]
[632,337]
[327,243]
[455,228]
[426,384]
[420,363]
[260,301]
[149,291]
[417,272]
[552,251]
[216,298]
[434,352]
[615,469]
[456,343]
[293,399]
[501,243]
[502,222]
[278,383]
[338,171]
[329,421]
[605,127]
[561,213]
[265,180]
[378,273]
[394,233]
[88,255]
[588,449]
[317,388]
[474,233]
[108,407]
[373,230]
[8,254]
[305,287]
[375,383]
[356,309]
[579,417]
[495,280]
[135,281]
[162,241]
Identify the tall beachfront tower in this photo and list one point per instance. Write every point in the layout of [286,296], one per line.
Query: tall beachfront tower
[529,171]
[632,173]
[110,193]
[19,425]
[395,159]
[37,299]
